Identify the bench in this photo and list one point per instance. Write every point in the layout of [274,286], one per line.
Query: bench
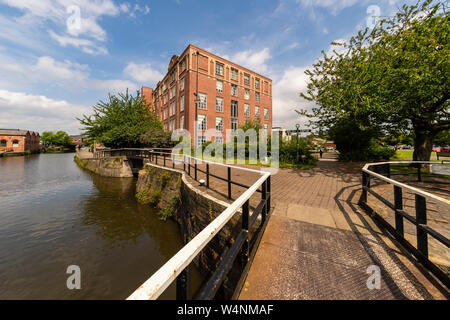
[442,154]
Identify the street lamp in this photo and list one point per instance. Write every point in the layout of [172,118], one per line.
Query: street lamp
[298,127]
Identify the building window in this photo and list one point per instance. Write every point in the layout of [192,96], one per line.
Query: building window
[256,83]
[201,140]
[219,124]
[15,144]
[172,125]
[266,129]
[234,124]
[257,96]
[172,108]
[246,110]
[3,143]
[234,90]
[234,74]
[201,122]
[246,79]
[182,103]
[202,100]
[257,114]
[182,122]
[219,68]
[172,92]
[219,104]
[219,140]
[219,86]
[182,84]
[266,114]
[234,109]
[247,94]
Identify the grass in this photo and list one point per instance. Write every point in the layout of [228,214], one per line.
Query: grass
[403,155]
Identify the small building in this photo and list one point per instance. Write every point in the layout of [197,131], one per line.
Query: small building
[283,133]
[16,140]
[78,140]
[329,144]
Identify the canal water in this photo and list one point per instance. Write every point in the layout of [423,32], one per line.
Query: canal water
[54,215]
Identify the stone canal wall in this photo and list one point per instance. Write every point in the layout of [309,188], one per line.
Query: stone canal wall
[170,191]
[115,167]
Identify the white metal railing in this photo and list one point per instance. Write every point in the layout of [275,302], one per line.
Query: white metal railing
[159,281]
[405,186]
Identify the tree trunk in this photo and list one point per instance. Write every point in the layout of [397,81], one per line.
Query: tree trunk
[423,145]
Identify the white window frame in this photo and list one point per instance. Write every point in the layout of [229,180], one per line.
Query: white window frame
[219,68]
[182,122]
[219,124]
[202,124]
[257,97]
[257,83]
[246,79]
[182,103]
[234,123]
[247,94]
[233,86]
[219,106]
[234,74]
[236,105]
[182,84]
[219,88]
[202,101]
[246,110]
[257,112]
[266,113]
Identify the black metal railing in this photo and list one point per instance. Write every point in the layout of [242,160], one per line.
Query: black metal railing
[381,171]
[243,249]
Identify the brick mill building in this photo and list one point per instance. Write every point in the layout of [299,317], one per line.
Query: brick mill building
[229,94]
[16,140]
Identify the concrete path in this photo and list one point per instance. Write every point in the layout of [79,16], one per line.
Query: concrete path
[319,244]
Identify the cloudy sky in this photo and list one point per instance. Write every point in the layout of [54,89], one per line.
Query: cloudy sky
[59,57]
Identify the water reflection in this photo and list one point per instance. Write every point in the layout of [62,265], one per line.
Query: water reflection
[54,215]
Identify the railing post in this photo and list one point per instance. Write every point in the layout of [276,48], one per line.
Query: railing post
[156,158]
[183,284]
[189,166]
[207,175]
[184,163]
[264,198]
[173,161]
[365,183]
[421,218]
[229,182]
[245,246]
[164,157]
[195,167]
[419,173]
[398,202]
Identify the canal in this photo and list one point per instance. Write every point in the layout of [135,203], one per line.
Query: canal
[53,215]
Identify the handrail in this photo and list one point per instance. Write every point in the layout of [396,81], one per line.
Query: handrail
[405,186]
[423,230]
[155,286]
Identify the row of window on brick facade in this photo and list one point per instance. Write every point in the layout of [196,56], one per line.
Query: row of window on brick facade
[234,75]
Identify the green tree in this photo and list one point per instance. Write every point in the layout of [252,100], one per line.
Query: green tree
[393,77]
[60,138]
[121,121]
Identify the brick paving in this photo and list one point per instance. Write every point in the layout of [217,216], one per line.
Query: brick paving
[318,243]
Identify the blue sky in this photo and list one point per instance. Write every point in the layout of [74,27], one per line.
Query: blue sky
[59,57]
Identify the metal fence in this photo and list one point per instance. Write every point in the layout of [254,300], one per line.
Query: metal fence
[381,171]
[177,268]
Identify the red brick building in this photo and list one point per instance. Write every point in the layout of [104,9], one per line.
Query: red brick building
[229,94]
[19,140]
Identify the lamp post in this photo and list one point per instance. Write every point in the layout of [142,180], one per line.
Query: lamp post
[196,113]
[298,127]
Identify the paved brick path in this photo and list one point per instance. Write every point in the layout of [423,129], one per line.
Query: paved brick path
[318,244]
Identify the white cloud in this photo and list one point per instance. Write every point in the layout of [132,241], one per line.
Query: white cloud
[38,113]
[253,60]
[85,45]
[333,5]
[286,97]
[66,74]
[143,73]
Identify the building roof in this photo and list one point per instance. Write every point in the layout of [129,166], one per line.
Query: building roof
[16,132]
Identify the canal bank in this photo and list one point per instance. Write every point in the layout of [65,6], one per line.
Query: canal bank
[55,215]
